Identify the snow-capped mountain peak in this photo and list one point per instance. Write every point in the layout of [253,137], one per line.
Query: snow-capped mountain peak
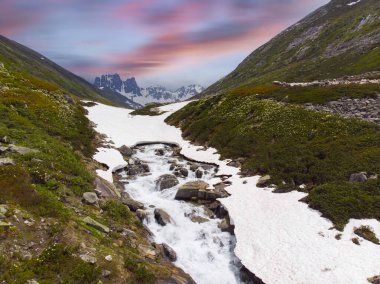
[156,93]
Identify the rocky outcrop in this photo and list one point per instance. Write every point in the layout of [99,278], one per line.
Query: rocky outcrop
[125,151]
[358,177]
[374,279]
[263,181]
[162,217]
[166,181]
[96,225]
[7,162]
[136,167]
[90,198]
[133,205]
[167,252]
[199,191]
[367,108]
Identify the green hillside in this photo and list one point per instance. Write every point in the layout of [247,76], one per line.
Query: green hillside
[334,41]
[266,128]
[46,149]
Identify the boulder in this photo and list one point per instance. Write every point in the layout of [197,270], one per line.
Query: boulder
[198,219]
[7,162]
[358,177]
[136,167]
[88,258]
[90,198]
[3,211]
[194,167]
[197,190]
[3,149]
[198,173]
[21,150]
[169,252]
[106,273]
[180,171]
[96,225]
[374,279]
[263,181]
[225,226]
[162,217]
[141,214]
[147,252]
[133,205]
[166,181]
[159,152]
[5,225]
[125,151]
[4,139]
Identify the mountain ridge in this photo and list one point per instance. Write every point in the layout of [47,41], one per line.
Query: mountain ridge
[336,40]
[141,96]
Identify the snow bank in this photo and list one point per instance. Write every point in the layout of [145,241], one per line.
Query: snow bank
[279,239]
[112,158]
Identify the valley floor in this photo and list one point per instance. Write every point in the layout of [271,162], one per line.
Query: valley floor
[279,239]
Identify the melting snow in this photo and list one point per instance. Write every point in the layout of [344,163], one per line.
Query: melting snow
[279,239]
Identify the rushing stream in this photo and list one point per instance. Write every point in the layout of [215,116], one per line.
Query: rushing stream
[203,250]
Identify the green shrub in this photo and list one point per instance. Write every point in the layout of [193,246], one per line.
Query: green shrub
[56,264]
[117,211]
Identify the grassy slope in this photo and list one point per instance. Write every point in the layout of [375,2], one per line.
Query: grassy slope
[38,110]
[308,59]
[293,145]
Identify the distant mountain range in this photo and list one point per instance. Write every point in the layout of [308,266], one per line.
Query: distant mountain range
[137,96]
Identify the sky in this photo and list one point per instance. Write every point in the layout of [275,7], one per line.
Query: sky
[166,42]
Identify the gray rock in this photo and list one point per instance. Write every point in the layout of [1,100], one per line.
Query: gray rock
[225,226]
[190,190]
[169,252]
[166,181]
[32,281]
[128,233]
[141,214]
[133,205]
[374,279]
[96,225]
[7,162]
[90,198]
[21,150]
[106,273]
[198,219]
[125,151]
[3,211]
[4,139]
[184,172]
[358,177]
[88,258]
[5,225]
[3,149]
[263,181]
[194,167]
[160,152]
[162,217]
[198,173]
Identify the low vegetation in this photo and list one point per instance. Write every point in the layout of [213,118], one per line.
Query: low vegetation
[42,233]
[310,94]
[151,109]
[294,146]
[367,233]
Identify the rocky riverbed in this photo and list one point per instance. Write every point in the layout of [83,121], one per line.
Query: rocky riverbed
[177,201]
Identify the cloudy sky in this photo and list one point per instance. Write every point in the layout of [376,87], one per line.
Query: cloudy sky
[167,42]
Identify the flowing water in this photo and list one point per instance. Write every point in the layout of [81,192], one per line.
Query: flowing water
[203,250]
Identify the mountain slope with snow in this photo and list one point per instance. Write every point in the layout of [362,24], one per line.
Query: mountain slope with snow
[142,96]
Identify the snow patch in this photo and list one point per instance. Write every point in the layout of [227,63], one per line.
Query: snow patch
[279,239]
